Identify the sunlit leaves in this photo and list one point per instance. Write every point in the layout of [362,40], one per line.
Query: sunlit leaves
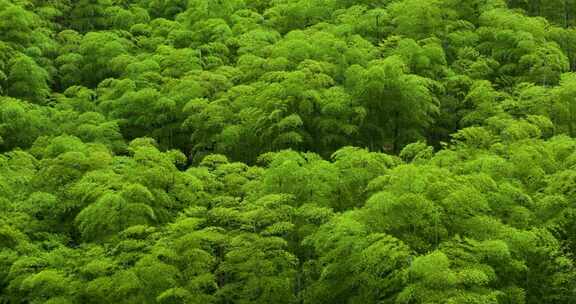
[27,80]
[354,265]
[20,123]
[17,23]
[98,49]
[564,105]
[399,104]
[112,214]
[257,269]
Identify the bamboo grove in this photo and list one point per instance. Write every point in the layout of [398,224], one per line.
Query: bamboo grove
[288,151]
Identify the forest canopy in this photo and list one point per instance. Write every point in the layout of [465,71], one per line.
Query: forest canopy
[288,151]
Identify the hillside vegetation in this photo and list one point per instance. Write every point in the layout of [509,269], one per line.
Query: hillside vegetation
[288,151]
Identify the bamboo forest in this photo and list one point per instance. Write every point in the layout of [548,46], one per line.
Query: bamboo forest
[287,151]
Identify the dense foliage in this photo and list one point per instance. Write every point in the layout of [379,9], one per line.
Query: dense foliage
[288,151]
